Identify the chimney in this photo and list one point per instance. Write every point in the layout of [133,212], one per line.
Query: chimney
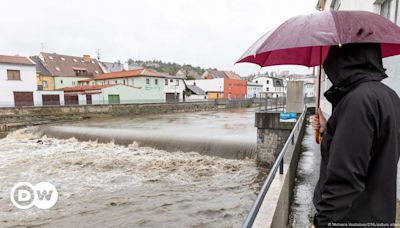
[86,58]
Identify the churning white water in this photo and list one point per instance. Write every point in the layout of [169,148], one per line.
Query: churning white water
[107,185]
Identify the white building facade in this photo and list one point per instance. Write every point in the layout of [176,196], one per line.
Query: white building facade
[17,81]
[150,86]
[309,90]
[254,90]
[272,87]
[209,85]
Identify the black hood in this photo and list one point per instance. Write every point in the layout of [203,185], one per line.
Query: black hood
[350,65]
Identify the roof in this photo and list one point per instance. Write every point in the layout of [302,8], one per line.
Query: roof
[40,69]
[85,88]
[133,73]
[16,60]
[217,74]
[196,90]
[253,84]
[64,65]
[188,73]
[232,75]
[113,67]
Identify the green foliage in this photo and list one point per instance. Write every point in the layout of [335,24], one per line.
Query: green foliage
[187,93]
[170,68]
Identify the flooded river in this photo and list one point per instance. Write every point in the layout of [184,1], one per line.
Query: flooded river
[228,134]
[110,185]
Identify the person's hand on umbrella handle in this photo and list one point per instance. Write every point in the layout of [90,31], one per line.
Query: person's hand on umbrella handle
[319,122]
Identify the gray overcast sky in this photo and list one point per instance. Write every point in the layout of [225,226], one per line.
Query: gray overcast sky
[206,33]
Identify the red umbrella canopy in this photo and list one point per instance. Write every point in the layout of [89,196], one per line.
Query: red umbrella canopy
[305,40]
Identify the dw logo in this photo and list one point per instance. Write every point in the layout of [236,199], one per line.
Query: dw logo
[43,195]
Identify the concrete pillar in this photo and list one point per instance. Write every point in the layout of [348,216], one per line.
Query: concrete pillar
[295,96]
[271,136]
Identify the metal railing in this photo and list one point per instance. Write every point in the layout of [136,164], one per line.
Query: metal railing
[248,223]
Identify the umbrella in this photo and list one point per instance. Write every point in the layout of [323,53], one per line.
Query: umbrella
[305,40]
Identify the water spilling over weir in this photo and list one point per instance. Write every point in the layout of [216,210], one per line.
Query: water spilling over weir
[227,134]
[109,185]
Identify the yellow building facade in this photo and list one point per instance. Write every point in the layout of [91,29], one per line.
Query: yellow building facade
[215,95]
[46,81]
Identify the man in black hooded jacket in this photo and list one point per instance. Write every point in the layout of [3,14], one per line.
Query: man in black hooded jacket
[361,142]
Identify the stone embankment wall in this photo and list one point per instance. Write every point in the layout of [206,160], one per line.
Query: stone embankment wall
[17,117]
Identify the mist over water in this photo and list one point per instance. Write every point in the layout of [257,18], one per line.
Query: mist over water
[109,185]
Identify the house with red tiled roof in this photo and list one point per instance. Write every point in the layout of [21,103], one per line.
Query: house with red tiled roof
[147,86]
[55,71]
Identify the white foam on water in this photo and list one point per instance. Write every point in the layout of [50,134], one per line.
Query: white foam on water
[110,185]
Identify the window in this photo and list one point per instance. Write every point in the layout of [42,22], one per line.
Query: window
[166,81]
[147,81]
[61,81]
[13,75]
[171,80]
[44,84]
[267,89]
[230,86]
[116,81]
[156,81]
[73,83]
[133,81]
[81,72]
[113,99]
[124,82]
[177,82]
[267,81]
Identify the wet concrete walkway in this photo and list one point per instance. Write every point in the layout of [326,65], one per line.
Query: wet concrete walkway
[307,176]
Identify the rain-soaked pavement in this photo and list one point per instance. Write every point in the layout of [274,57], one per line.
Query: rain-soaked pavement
[110,185]
[307,176]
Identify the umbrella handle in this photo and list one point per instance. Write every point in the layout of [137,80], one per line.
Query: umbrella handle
[317,134]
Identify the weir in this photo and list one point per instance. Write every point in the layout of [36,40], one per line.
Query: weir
[225,133]
[207,146]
